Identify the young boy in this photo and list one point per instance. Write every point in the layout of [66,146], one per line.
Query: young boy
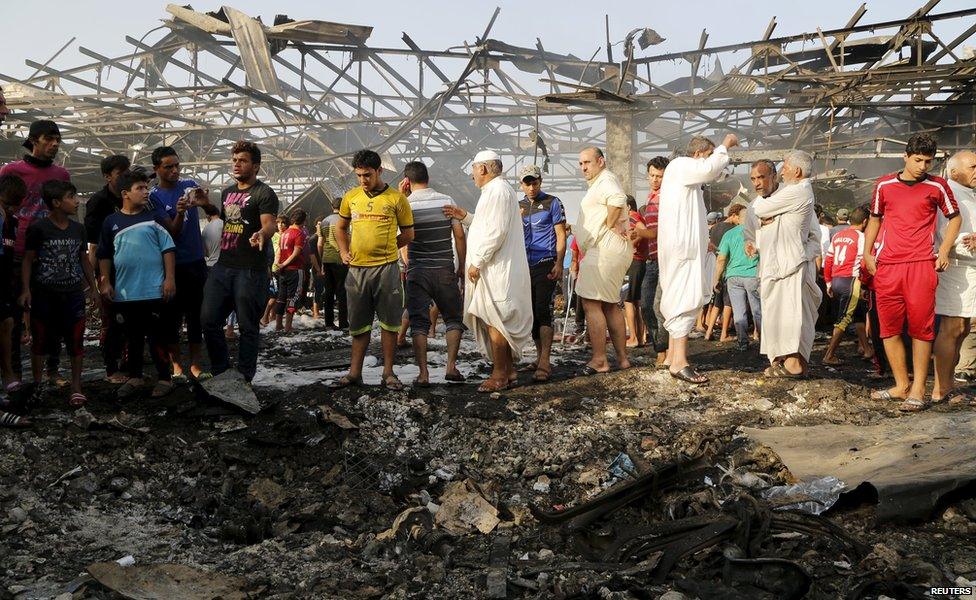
[903,210]
[842,271]
[142,252]
[55,271]
[13,190]
[291,269]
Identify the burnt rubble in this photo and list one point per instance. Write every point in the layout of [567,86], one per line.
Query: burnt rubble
[625,485]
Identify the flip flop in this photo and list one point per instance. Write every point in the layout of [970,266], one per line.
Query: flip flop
[587,370]
[77,400]
[543,378]
[203,376]
[912,405]
[13,386]
[346,381]
[13,421]
[421,384]
[393,384]
[162,389]
[454,378]
[489,386]
[532,366]
[689,375]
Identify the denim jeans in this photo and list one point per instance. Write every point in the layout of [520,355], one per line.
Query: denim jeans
[744,294]
[244,291]
[651,307]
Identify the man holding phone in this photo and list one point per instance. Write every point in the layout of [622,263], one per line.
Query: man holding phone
[175,201]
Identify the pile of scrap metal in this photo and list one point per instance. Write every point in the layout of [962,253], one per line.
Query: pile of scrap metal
[745,528]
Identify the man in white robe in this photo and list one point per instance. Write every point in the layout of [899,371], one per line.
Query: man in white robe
[789,241]
[497,296]
[955,297]
[683,245]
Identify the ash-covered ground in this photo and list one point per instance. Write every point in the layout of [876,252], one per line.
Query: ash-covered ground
[428,493]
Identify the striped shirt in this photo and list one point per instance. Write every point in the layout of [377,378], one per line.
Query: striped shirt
[908,209]
[432,245]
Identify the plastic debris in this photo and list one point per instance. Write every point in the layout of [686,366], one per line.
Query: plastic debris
[822,494]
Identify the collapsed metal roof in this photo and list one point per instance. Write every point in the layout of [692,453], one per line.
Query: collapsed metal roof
[313,92]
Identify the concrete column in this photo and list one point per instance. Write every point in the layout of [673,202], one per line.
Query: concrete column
[620,147]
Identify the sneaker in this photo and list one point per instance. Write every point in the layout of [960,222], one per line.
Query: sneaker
[129,389]
[742,346]
[963,378]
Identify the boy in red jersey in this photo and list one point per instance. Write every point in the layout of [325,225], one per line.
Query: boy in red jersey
[903,216]
[842,270]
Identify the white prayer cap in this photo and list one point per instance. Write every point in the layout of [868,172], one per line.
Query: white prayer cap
[485,156]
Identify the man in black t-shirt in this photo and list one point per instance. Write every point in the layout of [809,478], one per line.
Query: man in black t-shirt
[103,203]
[239,280]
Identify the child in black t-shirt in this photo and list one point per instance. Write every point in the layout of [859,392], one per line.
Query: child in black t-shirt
[56,269]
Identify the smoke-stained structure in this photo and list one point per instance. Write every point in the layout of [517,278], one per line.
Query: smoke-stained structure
[313,92]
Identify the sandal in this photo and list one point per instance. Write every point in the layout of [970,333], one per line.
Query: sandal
[912,405]
[128,389]
[203,376]
[587,370]
[689,375]
[77,400]
[778,371]
[13,421]
[162,389]
[393,384]
[955,396]
[421,384]
[490,386]
[532,366]
[116,378]
[454,378]
[346,381]
[884,395]
[541,375]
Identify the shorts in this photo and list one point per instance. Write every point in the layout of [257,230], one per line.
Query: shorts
[543,290]
[374,291]
[720,298]
[906,292]
[437,285]
[635,276]
[185,306]
[848,306]
[289,290]
[57,317]
[956,294]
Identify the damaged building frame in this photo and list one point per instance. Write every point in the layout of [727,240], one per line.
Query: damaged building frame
[313,92]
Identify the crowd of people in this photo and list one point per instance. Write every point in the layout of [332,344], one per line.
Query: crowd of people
[164,267]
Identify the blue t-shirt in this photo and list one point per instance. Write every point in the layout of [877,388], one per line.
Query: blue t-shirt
[189,244]
[539,219]
[135,244]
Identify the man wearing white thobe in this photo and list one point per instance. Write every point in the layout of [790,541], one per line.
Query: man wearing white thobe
[789,241]
[683,244]
[497,296]
[955,297]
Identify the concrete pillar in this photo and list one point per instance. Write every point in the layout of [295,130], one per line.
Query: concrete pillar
[620,147]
